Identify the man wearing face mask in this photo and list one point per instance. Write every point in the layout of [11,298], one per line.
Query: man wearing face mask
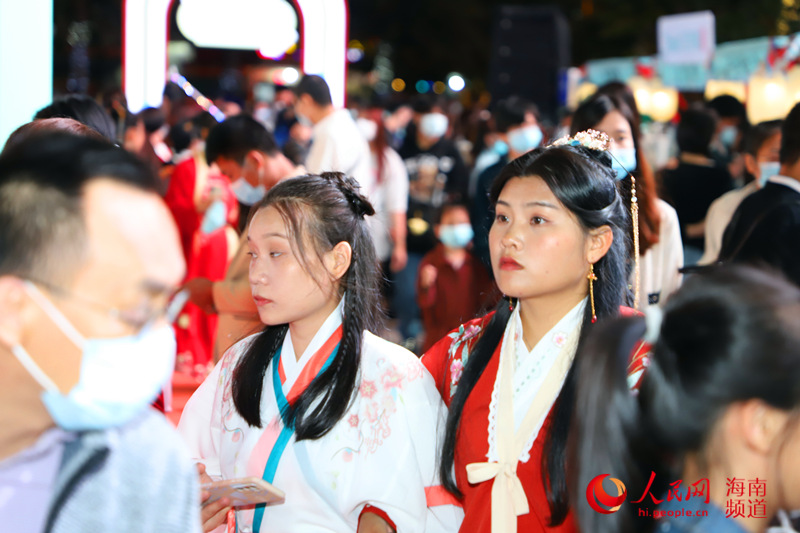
[89,259]
[247,153]
[779,190]
[762,146]
[436,173]
[727,146]
[453,284]
[518,132]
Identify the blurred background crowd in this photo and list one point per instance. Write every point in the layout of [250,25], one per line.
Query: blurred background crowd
[425,107]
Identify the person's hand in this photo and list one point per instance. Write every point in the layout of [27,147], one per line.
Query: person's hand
[205,201]
[399,259]
[201,294]
[427,276]
[372,523]
[212,515]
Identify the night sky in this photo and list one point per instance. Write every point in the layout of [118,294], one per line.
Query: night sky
[430,38]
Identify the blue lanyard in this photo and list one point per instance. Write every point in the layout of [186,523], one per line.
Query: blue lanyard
[286,433]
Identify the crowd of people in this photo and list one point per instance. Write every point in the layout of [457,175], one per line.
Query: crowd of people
[406,317]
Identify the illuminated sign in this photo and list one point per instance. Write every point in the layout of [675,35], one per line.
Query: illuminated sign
[269,26]
[324,40]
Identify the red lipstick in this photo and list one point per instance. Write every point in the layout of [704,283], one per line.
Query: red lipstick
[506,263]
[261,301]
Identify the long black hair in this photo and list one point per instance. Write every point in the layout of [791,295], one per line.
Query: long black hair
[581,180]
[588,115]
[323,210]
[729,335]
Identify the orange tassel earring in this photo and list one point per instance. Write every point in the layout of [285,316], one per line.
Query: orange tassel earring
[592,278]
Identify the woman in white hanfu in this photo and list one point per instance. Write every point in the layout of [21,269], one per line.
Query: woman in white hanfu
[345,423]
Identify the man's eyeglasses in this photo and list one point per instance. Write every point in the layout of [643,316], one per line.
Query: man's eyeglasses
[139,318]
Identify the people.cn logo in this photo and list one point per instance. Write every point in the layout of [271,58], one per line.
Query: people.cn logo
[600,500]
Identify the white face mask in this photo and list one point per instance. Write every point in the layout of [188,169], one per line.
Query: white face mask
[119,377]
[246,193]
[368,128]
[304,120]
[433,125]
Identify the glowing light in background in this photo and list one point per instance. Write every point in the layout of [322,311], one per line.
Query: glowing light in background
[145,52]
[290,76]
[325,43]
[439,87]
[269,26]
[715,88]
[398,85]
[423,86]
[768,97]
[663,104]
[355,51]
[145,46]
[456,83]
[26,56]
[192,92]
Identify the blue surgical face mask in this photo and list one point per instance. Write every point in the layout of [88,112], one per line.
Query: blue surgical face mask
[500,148]
[119,377]
[246,193]
[215,217]
[623,161]
[433,125]
[525,139]
[767,170]
[728,136]
[456,235]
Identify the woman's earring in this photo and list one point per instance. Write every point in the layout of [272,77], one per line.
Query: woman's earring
[592,278]
[510,304]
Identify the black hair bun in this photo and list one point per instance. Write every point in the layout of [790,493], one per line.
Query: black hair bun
[349,187]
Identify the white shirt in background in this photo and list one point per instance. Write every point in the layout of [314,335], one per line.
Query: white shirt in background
[338,145]
[659,266]
[388,196]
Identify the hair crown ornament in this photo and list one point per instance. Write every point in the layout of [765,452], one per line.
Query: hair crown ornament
[599,141]
[592,139]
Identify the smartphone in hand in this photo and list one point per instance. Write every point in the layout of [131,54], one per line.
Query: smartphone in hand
[244,491]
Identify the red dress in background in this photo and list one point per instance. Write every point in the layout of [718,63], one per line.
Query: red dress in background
[206,254]
[445,361]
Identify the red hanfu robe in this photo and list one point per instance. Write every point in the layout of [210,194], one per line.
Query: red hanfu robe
[445,361]
[207,256]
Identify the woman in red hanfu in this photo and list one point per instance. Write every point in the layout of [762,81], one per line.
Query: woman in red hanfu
[206,212]
[559,253]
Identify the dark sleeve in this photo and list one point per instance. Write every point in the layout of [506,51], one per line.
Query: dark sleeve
[458,178]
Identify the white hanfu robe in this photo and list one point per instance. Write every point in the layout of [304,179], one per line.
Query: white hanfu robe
[382,453]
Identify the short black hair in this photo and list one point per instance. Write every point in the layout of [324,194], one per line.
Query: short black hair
[83,109]
[790,141]
[758,135]
[183,133]
[236,136]
[696,129]
[449,206]
[153,119]
[510,112]
[42,182]
[727,106]
[316,87]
